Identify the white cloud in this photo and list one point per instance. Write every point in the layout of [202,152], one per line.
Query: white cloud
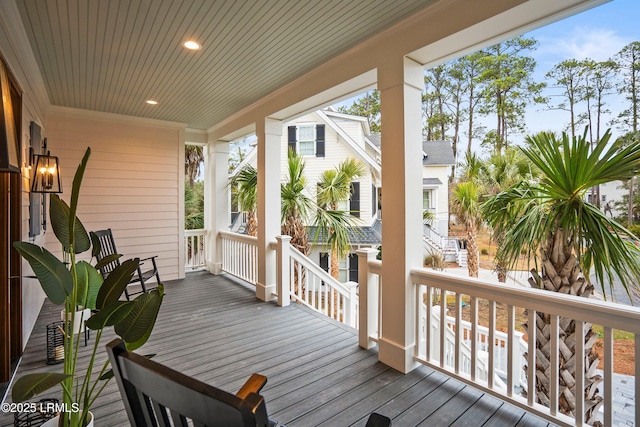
[598,44]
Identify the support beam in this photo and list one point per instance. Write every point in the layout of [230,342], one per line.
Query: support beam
[269,134]
[400,82]
[216,200]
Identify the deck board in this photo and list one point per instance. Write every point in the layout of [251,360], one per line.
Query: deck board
[214,329]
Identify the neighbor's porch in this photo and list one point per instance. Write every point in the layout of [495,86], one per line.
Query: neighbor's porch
[214,329]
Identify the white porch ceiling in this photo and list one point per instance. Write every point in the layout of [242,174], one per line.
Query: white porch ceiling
[112,55]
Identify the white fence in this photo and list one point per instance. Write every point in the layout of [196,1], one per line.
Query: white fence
[305,282]
[298,278]
[500,346]
[240,256]
[439,355]
[195,249]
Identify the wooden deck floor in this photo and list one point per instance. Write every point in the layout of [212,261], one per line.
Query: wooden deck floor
[214,329]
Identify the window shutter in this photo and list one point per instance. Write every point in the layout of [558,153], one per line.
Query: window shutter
[319,140]
[374,202]
[353,268]
[354,200]
[292,138]
[324,261]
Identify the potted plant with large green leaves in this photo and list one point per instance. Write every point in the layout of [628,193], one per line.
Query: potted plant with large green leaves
[79,285]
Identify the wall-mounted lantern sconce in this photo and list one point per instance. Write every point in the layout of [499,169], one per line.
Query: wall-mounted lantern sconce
[46,173]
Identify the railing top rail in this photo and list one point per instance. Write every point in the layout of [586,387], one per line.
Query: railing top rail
[238,237]
[315,269]
[375,266]
[617,316]
[195,232]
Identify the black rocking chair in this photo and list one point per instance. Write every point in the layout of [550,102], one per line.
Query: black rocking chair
[146,269]
[152,392]
[155,395]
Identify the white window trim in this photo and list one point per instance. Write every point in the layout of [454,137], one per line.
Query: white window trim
[432,192]
[313,141]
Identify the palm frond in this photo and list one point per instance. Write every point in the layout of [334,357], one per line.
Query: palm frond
[534,212]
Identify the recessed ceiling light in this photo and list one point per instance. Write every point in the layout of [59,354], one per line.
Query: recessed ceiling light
[192,45]
[152,102]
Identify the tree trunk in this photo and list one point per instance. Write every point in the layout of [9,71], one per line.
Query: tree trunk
[472,250]
[252,224]
[294,227]
[561,273]
[335,273]
[499,265]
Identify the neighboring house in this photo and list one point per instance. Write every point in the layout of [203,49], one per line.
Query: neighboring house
[436,168]
[610,194]
[325,138]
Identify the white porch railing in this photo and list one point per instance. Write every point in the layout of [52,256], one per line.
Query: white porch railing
[500,347]
[305,282]
[452,362]
[240,256]
[298,278]
[195,249]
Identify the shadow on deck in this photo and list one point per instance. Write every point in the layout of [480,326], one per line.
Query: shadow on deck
[214,329]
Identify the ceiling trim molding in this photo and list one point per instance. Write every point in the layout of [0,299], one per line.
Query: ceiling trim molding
[79,113]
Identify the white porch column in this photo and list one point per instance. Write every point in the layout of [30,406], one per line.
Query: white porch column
[269,135]
[216,200]
[400,82]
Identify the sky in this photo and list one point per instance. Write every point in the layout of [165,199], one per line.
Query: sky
[598,34]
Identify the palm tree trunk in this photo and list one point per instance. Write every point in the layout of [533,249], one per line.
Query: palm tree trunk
[335,273]
[252,224]
[499,264]
[561,273]
[294,227]
[472,250]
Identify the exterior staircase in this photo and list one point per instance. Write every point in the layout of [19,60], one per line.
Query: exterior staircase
[448,247]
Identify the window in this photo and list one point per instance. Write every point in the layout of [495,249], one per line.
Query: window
[426,199]
[306,140]
[347,267]
[354,199]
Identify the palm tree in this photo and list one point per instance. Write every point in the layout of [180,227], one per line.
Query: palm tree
[551,217]
[465,204]
[334,187]
[193,158]
[194,206]
[246,184]
[497,174]
[296,205]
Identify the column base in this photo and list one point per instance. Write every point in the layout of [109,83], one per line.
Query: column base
[215,268]
[265,292]
[397,357]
